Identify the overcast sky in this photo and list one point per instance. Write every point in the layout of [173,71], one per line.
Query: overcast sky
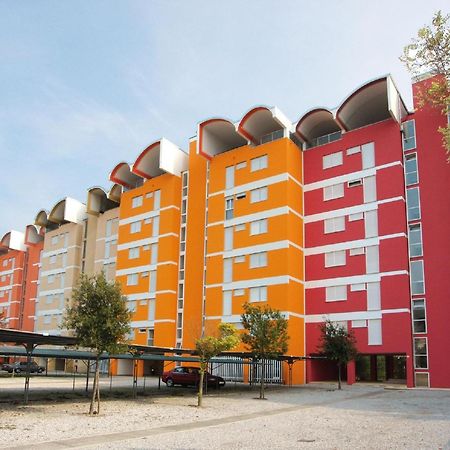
[86,84]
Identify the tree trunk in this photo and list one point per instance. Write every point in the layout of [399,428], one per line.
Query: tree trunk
[95,390]
[339,376]
[97,375]
[261,387]
[200,384]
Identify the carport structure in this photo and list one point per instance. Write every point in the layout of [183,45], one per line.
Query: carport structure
[25,344]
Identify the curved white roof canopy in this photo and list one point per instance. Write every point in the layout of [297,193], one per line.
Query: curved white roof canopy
[13,240]
[261,121]
[373,102]
[33,235]
[98,201]
[121,174]
[315,123]
[217,136]
[115,193]
[67,210]
[160,157]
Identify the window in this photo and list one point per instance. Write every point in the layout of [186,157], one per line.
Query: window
[149,195]
[107,249]
[229,177]
[156,200]
[418,313]
[411,169]
[417,281]
[334,224]
[227,303]
[47,320]
[52,259]
[241,195]
[356,216]
[55,240]
[415,240]
[136,201]
[239,292]
[145,274]
[229,208]
[152,287]
[420,353]
[335,258]
[258,227]
[241,165]
[154,256]
[271,136]
[359,323]
[258,260]
[354,183]
[239,259]
[132,279]
[335,191]
[409,135]
[148,221]
[258,163]
[353,150]
[412,200]
[5,262]
[357,287]
[240,227]
[332,160]
[151,337]
[133,253]
[258,294]
[258,195]
[50,279]
[335,293]
[155,230]
[135,227]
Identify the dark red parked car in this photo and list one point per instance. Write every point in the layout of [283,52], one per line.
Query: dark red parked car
[188,376]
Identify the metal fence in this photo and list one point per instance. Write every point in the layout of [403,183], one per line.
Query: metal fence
[229,371]
[273,372]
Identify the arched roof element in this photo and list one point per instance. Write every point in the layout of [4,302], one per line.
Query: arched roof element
[262,121]
[160,157]
[33,235]
[13,240]
[121,174]
[316,123]
[67,210]
[115,193]
[216,136]
[373,102]
[98,201]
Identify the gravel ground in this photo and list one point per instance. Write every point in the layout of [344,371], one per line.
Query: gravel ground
[312,417]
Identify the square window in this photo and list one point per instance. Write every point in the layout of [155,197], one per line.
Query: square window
[135,227]
[258,260]
[332,160]
[335,293]
[357,251]
[258,227]
[258,195]
[334,224]
[55,240]
[355,216]
[258,163]
[333,259]
[132,279]
[258,294]
[332,192]
[353,150]
[133,253]
[240,227]
[241,165]
[239,259]
[136,201]
[239,292]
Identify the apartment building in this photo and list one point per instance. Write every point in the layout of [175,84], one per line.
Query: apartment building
[342,215]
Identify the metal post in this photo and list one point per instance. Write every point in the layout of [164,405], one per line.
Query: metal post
[88,365]
[29,349]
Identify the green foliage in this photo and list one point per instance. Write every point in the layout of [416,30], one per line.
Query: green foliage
[266,333]
[209,346]
[337,343]
[98,315]
[429,52]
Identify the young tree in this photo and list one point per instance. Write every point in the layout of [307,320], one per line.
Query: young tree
[100,319]
[265,335]
[430,52]
[209,346]
[338,345]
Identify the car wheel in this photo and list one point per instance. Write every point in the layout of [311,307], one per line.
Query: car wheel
[40,370]
[10,371]
[17,370]
[169,382]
